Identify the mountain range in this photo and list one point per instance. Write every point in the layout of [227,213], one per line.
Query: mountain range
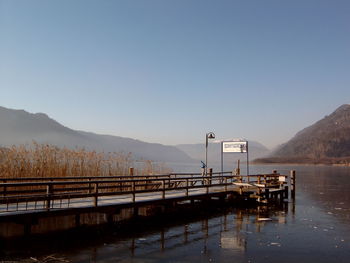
[21,127]
[326,141]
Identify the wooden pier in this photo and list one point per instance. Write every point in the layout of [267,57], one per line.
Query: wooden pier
[29,201]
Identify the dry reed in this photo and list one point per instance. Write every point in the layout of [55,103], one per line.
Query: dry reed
[41,160]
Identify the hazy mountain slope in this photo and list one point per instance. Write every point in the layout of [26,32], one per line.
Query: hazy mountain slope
[149,151]
[327,138]
[197,151]
[21,127]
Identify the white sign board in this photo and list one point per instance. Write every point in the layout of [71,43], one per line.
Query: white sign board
[234,147]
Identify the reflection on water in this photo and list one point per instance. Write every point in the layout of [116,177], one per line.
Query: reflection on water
[329,188]
[204,240]
[313,229]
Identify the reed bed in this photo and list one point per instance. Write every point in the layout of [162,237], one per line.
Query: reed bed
[48,161]
[42,160]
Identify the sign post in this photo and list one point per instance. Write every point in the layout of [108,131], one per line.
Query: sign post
[234,147]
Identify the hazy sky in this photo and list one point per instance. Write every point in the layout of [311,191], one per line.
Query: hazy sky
[170,71]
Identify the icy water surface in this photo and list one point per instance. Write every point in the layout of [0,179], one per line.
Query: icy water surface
[316,228]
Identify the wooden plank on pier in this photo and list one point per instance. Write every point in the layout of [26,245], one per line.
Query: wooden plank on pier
[243,184]
[260,185]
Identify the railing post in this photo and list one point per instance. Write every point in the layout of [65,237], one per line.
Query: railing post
[225,184]
[238,169]
[96,195]
[133,189]
[187,185]
[292,183]
[209,179]
[49,191]
[89,186]
[5,188]
[163,188]
[210,175]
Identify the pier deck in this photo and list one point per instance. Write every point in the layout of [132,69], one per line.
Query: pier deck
[26,200]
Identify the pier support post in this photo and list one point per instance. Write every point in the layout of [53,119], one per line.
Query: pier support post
[292,183]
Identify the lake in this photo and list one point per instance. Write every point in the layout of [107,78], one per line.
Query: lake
[314,228]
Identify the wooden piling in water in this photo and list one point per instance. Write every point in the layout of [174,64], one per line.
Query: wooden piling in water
[286,193]
[292,183]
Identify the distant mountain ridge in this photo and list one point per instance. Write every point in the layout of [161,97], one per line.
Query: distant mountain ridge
[326,141]
[20,127]
[197,151]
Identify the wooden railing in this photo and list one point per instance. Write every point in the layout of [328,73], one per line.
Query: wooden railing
[58,192]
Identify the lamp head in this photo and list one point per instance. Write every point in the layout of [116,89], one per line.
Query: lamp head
[211,135]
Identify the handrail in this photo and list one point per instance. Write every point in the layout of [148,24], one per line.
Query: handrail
[48,190]
[90,177]
[122,176]
[108,181]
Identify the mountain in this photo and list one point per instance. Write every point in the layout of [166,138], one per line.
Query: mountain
[197,151]
[20,127]
[328,140]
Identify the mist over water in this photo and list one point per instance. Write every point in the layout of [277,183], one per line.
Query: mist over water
[314,228]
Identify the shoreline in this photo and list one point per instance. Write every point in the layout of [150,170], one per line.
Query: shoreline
[306,161]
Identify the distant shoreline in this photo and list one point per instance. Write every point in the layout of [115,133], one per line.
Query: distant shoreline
[335,161]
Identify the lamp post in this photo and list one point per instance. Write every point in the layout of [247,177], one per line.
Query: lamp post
[209,135]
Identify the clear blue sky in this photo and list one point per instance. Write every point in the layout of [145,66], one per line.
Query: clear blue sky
[170,71]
